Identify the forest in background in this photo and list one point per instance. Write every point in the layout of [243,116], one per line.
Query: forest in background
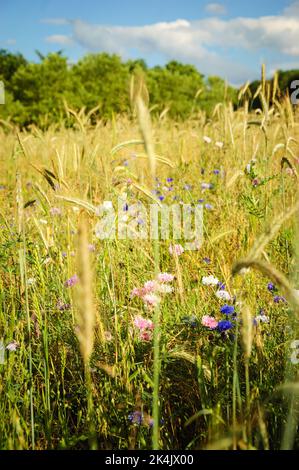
[39,92]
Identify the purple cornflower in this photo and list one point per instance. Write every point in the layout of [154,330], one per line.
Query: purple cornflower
[126,207]
[169,180]
[209,207]
[224,325]
[271,287]
[200,201]
[72,281]
[221,285]
[161,198]
[206,260]
[188,187]
[227,309]
[216,172]
[136,417]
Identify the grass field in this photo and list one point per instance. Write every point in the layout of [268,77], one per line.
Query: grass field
[211,363]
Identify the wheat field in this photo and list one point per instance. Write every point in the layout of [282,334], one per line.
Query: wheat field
[205,356]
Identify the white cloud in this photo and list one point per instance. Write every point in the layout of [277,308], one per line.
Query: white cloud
[60,39]
[292,10]
[215,9]
[210,43]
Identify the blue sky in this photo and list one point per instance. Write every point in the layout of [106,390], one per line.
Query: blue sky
[230,38]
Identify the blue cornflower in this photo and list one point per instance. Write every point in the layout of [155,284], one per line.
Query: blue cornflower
[169,180]
[221,285]
[227,309]
[161,198]
[224,325]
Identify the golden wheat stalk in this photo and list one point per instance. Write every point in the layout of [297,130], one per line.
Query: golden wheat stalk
[86,311]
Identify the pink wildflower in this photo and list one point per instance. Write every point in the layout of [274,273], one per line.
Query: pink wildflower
[145,335]
[176,250]
[151,300]
[150,286]
[143,323]
[165,277]
[136,292]
[209,322]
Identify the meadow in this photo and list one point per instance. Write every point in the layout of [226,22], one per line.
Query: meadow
[93,355]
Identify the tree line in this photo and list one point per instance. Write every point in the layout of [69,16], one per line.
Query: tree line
[38,92]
